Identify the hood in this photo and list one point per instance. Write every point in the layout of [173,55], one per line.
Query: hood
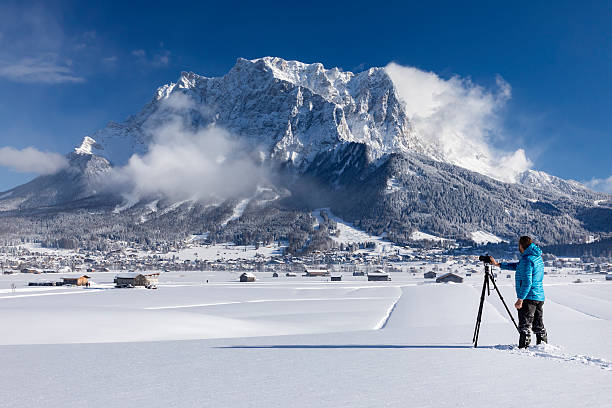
[532,250]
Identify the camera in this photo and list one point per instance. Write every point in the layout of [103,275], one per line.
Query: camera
[485,259]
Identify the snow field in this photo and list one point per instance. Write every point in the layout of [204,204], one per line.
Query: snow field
[300,342]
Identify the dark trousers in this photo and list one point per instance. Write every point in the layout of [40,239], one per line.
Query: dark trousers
[531,317]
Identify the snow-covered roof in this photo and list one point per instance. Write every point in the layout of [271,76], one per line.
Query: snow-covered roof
[129,275]
[378,273]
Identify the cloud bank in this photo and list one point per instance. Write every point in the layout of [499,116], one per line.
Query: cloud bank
[459,120]
[34,47]
[31,160]
[186,162]
[603,185]
[46,69]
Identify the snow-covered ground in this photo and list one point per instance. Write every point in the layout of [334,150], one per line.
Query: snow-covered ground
[349,234]
[237,212]
[423,236]
[228,251]
[300,342]
[483,237]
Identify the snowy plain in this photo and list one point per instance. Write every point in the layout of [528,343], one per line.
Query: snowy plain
[297,341]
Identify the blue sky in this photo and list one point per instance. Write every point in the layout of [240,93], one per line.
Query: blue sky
[69,67]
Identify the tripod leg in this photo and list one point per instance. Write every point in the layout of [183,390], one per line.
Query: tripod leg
[485,285]
[504,302]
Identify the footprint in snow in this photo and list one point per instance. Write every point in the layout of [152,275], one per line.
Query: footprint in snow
[551,352]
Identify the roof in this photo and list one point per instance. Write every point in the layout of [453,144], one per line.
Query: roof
[248,274]
[129,275]
[449,275]
[75,277]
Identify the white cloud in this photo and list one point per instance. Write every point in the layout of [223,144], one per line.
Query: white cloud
[35,48]
[183,162]
[603,185]
[162,58]
[31,160]
[43,69]
[459,120]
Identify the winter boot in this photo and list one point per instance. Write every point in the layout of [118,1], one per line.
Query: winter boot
[524,340]
[541,338]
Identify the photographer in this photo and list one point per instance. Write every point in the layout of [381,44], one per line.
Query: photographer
[529,291]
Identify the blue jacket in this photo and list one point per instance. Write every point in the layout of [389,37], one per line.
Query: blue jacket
[529,274]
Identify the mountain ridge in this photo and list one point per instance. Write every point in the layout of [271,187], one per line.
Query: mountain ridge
[338,140]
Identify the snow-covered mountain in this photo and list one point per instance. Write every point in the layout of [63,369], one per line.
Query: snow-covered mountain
[340,140]
[291,111]
[80,180]
[544,182]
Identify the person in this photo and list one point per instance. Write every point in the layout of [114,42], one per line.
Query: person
[529,291]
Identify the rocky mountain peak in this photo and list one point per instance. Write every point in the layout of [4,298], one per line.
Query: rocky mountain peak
[87,145]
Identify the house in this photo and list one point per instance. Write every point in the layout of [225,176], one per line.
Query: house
[336,278]
[609,277]
[247,277]
[79,281]
[449,277]
[378,275]
[430,275]
[358,273]
[275,275]
[316,272]
[136,279]
[290,274]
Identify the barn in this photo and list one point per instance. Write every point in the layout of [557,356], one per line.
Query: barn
[316,272]
[247,277]
[136,279]
[449,277]
[80,281]
[379,275]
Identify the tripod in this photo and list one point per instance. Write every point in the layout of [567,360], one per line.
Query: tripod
[488,277]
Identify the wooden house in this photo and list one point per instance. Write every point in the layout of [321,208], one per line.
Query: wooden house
[136,279]
[449,277]
[316,272]
[247,277]
[79,281]
[379,275]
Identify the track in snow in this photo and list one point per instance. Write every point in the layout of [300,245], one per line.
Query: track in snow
[551,352]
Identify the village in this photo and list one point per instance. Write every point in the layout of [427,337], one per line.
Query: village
[138,267]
